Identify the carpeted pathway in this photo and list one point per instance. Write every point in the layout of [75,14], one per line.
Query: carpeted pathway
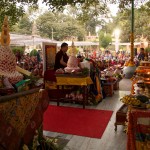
[77,121]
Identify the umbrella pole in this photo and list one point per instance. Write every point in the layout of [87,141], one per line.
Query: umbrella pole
[132,36]
[130,68]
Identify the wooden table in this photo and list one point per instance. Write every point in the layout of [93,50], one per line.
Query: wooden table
[109,88]
[73,80]
[121,116]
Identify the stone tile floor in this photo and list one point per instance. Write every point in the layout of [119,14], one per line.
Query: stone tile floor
[110,140]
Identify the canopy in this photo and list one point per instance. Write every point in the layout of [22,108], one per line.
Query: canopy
[30,40]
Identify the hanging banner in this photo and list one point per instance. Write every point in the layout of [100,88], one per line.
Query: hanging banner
[49,52]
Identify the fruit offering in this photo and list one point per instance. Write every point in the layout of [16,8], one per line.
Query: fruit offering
[131,100]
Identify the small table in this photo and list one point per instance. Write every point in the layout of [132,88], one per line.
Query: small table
[73,80]
[121,116]
[109,88]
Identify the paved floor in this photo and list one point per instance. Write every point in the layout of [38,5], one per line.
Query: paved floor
[110,140]
[125,85]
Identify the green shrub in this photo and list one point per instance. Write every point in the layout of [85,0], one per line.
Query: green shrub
[147,49]
[33,52]
[18,49]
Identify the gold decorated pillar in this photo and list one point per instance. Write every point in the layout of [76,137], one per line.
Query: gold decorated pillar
[130,66]
[132,36]
[132,47]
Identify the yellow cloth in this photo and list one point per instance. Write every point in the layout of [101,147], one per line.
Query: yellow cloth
[23,109]
[81,81]
[50,85]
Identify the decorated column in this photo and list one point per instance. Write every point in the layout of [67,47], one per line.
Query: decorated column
[132,34]
[130,67]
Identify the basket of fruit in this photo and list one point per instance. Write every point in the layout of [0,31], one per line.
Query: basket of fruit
[140,101]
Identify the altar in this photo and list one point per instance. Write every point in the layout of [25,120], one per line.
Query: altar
[21,115]
[138,129]
[73,80]
[137,110]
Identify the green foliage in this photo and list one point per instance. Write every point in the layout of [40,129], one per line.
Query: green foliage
[87,12]
[123,22]
[85,71]
[147,49]
[14,11]
[91,17]
[24,26]
[63,26]
[18,49]
[85,4]
[60,4]
[105,39]
[51,143]
[11,10]
[45,143]
[142,22]
[33,52]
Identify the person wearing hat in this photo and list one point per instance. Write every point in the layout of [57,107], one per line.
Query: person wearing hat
[61,57]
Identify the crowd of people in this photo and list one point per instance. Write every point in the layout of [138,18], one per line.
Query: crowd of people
[33,64]
[107,58]
[104,60]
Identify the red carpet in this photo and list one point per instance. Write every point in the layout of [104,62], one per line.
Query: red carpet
[76,121]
